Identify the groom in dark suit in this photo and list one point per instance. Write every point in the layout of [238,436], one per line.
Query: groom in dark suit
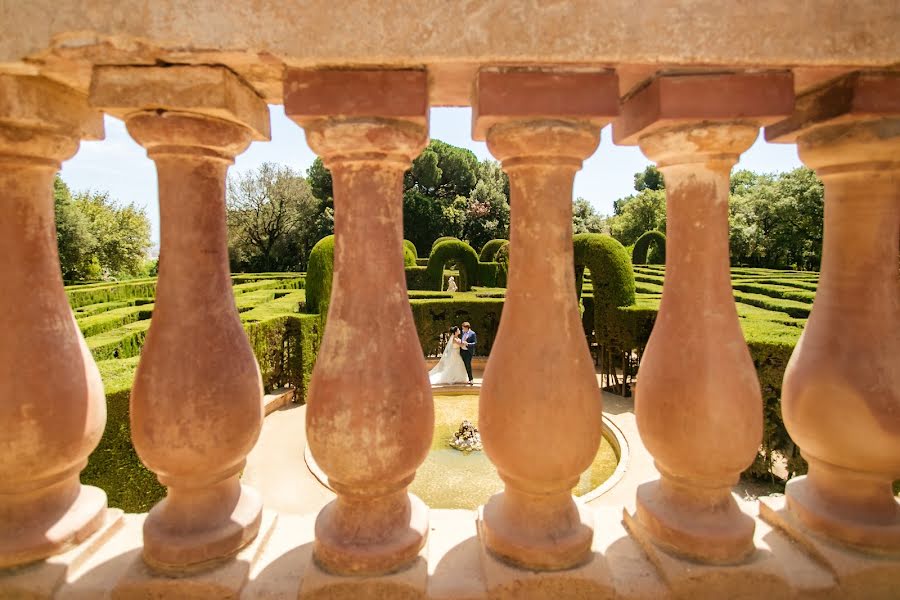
[467,351]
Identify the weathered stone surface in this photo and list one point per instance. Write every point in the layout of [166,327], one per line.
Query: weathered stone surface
[860,575]
[534,522]
[205,90]
[841,392]
[774,569]
[669,101]
[52,407]
[196,402]
[389,94]
[855,96]
[42,580]
[546,94]
[226,580]
[257,38]
[368,439]
[705,395]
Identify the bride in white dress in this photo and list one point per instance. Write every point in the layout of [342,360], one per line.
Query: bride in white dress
[451,368]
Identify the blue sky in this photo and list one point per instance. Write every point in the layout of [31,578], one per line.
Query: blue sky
[118,165]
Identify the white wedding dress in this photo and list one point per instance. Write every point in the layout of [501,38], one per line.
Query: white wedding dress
[451,368]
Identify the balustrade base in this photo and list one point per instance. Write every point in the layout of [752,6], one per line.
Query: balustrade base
[140,581]
[591,579]
[873,536]
[859,574]
[51,533]
[775,569]
[41,579]
[787,562]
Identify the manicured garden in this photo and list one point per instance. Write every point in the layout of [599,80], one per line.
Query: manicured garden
[281,315]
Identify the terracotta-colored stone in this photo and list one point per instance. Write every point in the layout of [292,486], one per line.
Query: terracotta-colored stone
[370,416]
[698,405]
[841,392]
[52,406]
[207,90]
[530,403]
[668,101]
[856,95]
[546,94]
[394,94]
[196,403]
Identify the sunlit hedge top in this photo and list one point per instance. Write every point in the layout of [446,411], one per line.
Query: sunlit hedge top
[442,239]
[489,251]
[319,274]
[412,248]
[642,247]
[611,275]
[409,254]
[455,250]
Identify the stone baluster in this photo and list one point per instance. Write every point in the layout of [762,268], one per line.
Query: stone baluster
[698,388]
[370,416]
[196,404]
[841,392]
[540,408]
[51,398]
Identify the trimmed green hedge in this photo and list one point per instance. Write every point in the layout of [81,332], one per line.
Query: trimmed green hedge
[113,319]
[319,275]
[491,274]
[455,250]
[502,259]
[611,276]
[416,278]
[95,294]
[434,317]
[114,465]
[490,250]
[442,239]
[642,247]
[412,248]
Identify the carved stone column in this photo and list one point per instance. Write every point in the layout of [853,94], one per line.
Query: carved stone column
[370,416]
[51,398]
[698,404]
[196,404]
[841,393]
[540,407]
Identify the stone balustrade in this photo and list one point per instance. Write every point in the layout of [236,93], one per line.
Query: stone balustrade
[836,533]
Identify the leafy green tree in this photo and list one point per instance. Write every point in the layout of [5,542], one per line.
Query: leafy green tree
[639,213]
[274,219]
[97,237]
[649,179]
[320,183]
[585,218]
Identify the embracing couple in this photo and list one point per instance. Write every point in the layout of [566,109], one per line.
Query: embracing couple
[455,365]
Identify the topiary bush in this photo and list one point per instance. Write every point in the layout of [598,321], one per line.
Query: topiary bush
[611,276]
[442,239]
[457,251]
[409,259]
[490,250]
[642,248]
[319,275]
[502,259]
[415,278]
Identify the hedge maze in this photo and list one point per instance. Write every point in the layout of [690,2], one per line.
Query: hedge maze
[284,316]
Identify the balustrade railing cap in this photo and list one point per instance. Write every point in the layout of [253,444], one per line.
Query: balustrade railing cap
[669,100]
[213,91]
[856,95]
[526,94]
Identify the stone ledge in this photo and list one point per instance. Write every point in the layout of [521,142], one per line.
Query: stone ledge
[454,566]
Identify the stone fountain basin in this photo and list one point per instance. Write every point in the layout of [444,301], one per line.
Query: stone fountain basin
[453,479]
